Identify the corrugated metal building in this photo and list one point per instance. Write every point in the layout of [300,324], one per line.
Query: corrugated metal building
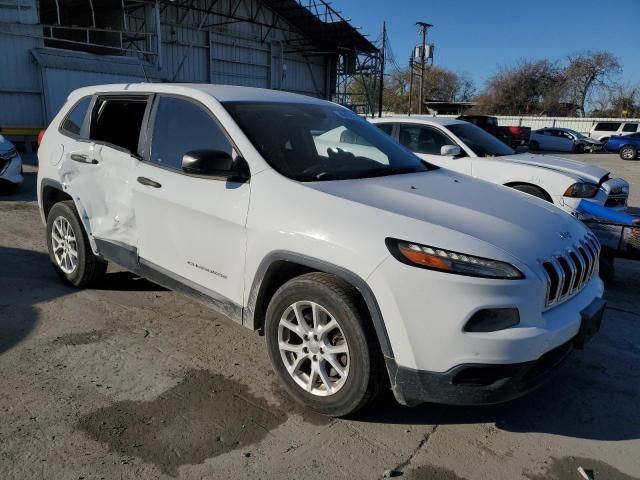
[50,47]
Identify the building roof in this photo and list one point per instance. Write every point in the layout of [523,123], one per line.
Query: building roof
[62,59]
[328,30]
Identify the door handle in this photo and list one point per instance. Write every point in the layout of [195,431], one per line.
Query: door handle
[77,157]
[148,182]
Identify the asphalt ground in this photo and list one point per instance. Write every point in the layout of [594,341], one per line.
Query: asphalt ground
[131,381]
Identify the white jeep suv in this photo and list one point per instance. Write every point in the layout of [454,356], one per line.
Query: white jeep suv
[360,268]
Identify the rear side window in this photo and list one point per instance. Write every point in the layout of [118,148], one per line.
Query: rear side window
[72,124]
[608,126]
[181,126]
[630,127]
[117,121]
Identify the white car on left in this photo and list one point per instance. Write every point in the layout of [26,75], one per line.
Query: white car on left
[10,164]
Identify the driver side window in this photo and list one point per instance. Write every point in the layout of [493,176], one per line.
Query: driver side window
[181,126]
[422,139]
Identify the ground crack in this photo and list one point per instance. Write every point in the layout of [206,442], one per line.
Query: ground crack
[622,310]
[400,467]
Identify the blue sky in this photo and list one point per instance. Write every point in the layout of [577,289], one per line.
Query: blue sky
[478,37]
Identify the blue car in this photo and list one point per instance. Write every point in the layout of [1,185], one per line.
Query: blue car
[627,146]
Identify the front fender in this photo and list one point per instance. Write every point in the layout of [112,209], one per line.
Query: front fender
[504,173]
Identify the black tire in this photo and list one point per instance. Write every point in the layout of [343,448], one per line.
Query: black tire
[532,190]
[534,145]
[366,373]
[89,268]
[628,152]
[579,148]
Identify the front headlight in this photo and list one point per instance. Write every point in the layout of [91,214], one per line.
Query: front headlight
[434,258]
[582,190]
[9,154]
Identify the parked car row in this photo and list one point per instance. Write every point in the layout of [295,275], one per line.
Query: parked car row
[563,139]
[363,264]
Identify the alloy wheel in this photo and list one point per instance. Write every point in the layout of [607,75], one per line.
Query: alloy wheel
[313,348]
[65,246]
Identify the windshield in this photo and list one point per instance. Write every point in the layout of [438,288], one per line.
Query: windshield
[576,133]
[308,142]
[483,144]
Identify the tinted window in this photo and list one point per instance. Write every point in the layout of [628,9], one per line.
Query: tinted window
[117,121]
[630,127]
[483,144]
[385,127]
[73,123]
[423,139]
[303,141]
[182,126]
[607,126]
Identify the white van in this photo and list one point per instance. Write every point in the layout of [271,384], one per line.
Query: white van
[604,130]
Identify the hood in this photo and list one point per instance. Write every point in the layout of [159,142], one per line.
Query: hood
[585,171]
[590,140]
[442,201]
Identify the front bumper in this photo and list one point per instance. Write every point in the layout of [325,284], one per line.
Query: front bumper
[475,383]
[483,383]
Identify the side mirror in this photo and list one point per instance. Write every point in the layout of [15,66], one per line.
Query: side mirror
[450,150]
[215,163]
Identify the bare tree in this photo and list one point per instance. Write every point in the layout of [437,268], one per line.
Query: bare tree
[528,88]
[617,100]
[587,72]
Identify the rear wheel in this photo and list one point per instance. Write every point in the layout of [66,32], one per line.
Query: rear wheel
[532,190]
[628,152]
[69,248]
[322,346]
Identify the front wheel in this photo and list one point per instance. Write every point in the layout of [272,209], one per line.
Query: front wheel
[628,152]
[322,346]
[533,145]
[69,248]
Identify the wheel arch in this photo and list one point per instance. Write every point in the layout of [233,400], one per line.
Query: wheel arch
[281,266]
[52,192]
[533,185]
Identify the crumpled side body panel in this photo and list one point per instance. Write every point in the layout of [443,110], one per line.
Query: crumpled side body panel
[102,192]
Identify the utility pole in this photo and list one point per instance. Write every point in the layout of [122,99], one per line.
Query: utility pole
[410,84]
[382,59]
[423,60]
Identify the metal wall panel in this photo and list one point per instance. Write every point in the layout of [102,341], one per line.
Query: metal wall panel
[57,84]
[20,98]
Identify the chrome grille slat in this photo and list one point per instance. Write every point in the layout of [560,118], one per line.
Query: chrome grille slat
[567,272]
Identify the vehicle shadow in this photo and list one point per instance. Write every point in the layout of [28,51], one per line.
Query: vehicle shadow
[127,281]
[26,280]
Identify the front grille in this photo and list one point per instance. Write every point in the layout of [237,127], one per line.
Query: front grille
[619,200]
[569,271]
